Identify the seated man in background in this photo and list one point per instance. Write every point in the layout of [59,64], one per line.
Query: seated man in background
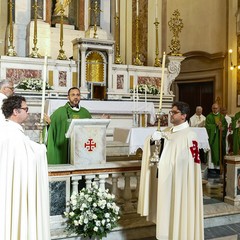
[197,120]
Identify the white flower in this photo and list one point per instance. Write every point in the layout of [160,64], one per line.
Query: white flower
[95,229]
[71,214]
[106,215]
[94,216]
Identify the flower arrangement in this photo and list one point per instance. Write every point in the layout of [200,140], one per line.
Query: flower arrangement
[34,84]
[92,212]
[151,89]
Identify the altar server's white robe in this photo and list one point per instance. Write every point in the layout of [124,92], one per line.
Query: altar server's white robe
[179,206]
[24,188]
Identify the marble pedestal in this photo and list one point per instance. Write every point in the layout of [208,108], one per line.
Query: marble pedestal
[233,180]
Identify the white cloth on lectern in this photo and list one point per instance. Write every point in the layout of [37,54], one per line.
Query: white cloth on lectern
[24,187]
[179,199]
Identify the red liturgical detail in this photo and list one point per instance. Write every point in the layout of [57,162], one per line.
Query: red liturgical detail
[195,152]
[90,145]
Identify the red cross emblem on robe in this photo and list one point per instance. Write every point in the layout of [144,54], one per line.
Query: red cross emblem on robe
[195,151]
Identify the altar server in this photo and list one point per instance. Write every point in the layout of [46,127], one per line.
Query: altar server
[24,188]
[176,204]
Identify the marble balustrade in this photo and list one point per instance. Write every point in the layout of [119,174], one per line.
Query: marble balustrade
[121,178]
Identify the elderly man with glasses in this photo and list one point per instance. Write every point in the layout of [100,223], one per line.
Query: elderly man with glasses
[170,193]
[24,188]
[6,90]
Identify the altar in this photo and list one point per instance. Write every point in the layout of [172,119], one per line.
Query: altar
[121,112]
[135,137]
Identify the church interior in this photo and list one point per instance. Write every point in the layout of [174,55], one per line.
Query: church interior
[128,57]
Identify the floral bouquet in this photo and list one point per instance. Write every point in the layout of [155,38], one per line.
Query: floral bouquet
[150,89]
[34,84]
[92,212]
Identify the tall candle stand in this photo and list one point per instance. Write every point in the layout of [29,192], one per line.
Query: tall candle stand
[41,126]
[34,53]
[137,60]
[118,59]
[61,55]
[10,51]
[157,60]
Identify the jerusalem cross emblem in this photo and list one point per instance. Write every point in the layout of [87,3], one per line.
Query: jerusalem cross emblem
[90,145]
[195,152]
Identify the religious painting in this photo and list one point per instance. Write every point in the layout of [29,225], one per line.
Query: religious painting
[238,181]
[238,72]
[120,81]
[16,75]
[62,78]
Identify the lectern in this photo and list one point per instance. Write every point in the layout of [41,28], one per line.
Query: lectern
[87,141]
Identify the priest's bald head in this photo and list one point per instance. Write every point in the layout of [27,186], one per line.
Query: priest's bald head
[15,108]
[179,113]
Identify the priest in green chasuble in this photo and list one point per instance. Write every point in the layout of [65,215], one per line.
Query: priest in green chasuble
[216,126]
[57,143]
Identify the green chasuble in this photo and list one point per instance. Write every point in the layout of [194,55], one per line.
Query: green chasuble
[236,133]
[214,136]
[57,143]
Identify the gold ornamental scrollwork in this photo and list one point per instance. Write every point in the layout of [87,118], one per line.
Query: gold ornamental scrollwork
[175,25]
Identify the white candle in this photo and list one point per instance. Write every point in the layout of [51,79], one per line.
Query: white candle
[145,97]
[137,9]
[156,7]
[134,106]
[162,81]
[116,6]
[44,77]
[137,100]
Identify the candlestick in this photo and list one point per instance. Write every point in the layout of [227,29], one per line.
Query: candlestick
[116,6]
[137,8]
[44,77]
[162,81]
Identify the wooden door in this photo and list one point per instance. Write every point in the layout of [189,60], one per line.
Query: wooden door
[197,94]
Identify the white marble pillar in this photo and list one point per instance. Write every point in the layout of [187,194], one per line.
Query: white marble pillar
[83,68]
[110,60]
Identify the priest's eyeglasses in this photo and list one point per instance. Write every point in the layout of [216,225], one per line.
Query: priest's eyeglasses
[25,109]
[174,112]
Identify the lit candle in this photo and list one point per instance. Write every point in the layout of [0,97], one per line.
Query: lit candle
[44,77]
[156,7]
[162,81]
[116,6]
[137,9]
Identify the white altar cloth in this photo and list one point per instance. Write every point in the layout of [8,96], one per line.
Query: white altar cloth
[135,137]
[108,107]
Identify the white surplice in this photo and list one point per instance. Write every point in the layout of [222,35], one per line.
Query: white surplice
[24,187]
[179,203]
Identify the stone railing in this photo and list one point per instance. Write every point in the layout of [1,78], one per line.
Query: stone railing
[120,177]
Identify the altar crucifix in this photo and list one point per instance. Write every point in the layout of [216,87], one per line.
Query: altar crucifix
[96,11]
